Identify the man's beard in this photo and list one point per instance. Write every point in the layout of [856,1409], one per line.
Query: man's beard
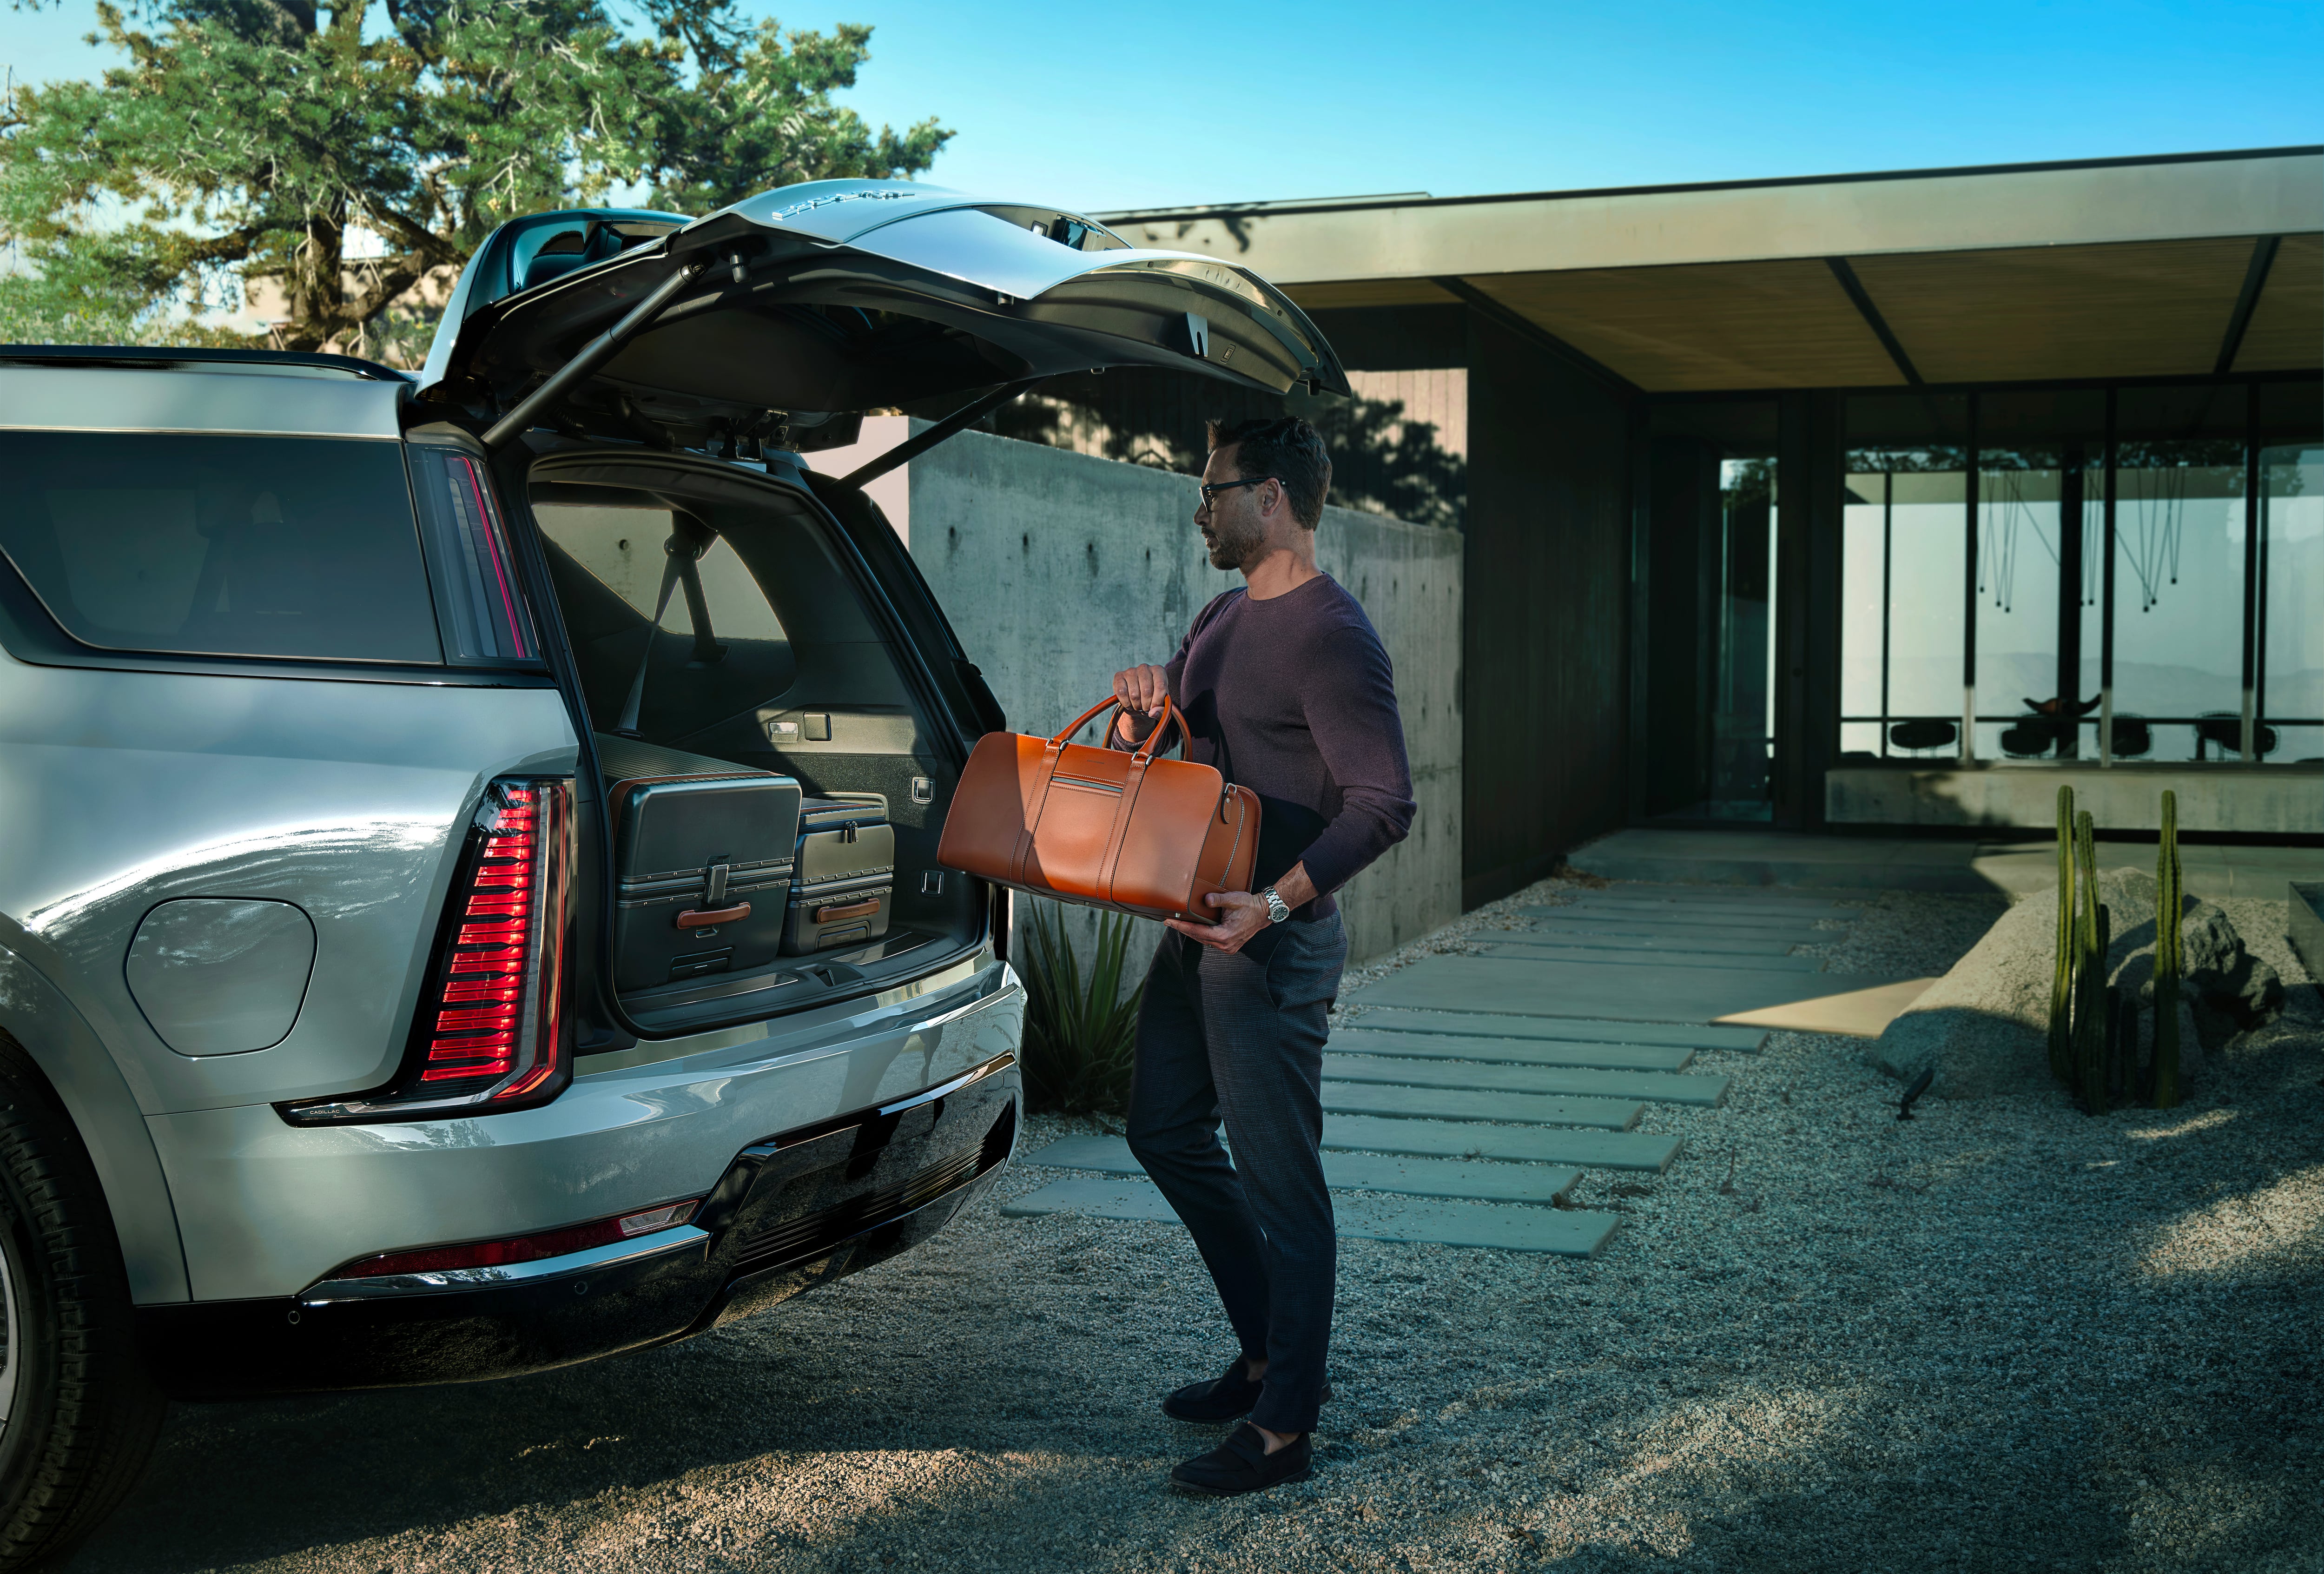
[1232,545]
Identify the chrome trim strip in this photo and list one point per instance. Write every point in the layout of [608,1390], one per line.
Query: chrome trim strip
[387,1286]
[944,1089]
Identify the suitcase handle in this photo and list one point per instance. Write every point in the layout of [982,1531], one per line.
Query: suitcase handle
[854,910]
[1144,751]
[697,918]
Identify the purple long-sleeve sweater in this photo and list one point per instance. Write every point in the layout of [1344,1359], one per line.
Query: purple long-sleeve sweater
[1293,697]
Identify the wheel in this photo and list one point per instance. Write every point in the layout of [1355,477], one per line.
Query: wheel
[77,1412]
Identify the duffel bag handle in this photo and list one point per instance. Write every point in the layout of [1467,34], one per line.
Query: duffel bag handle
[1170,715]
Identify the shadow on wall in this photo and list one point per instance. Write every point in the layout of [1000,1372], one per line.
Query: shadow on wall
[1382,462]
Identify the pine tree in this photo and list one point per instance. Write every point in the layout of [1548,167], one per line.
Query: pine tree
[245,139]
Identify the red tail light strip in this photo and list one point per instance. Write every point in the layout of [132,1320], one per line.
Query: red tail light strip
[491,1031]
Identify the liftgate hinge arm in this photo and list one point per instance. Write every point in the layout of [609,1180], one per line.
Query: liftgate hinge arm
[592,356]
[911,448]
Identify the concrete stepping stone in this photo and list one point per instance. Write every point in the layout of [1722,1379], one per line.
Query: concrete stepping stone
[1517,951]
[1711,899]
[1639,939]
[1538,1184]
[1554,1231]
[1467,1023]
[1654,1086]
[1589,990]
[1466,1104]
[1685,921]
[1441,1139]
[1356,1041]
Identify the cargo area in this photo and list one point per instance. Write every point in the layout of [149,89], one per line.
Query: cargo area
[775,752]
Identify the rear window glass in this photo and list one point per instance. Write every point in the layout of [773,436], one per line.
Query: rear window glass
[623,548]
[220,545]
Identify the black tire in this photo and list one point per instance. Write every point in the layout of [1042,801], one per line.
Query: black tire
[77,1412]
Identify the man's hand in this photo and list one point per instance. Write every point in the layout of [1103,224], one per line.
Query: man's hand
[1240,916]
[1142,690]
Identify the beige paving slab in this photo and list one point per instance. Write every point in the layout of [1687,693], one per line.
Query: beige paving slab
[1517,951]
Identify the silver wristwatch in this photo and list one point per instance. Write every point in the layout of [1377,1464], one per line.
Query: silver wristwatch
[1276,911]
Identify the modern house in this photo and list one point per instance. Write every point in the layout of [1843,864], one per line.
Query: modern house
[1858,502]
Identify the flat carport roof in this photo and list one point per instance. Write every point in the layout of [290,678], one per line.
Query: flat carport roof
[2195,264]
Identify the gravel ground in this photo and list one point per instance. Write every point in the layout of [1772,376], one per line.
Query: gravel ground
[2002,1335]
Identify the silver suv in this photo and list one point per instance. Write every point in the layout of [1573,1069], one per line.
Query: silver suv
[317,1069]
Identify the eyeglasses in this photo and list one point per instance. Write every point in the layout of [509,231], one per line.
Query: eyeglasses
[1210,490]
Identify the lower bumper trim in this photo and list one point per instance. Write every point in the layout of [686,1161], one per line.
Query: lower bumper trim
[791,1212]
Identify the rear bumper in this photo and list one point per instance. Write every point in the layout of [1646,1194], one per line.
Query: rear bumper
[787,1213]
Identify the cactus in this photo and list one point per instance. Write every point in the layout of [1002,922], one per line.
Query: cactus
[2168,958]
[2061,986]
[2089,970]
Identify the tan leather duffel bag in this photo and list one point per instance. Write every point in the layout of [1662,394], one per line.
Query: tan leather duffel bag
[1099,827]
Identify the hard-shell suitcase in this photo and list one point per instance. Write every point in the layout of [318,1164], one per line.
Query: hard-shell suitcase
[843,877]
[703,851]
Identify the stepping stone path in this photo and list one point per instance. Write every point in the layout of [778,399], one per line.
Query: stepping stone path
[1464,1100]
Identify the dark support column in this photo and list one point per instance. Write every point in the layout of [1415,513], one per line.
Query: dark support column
[2105,600]
[2253,516]
[1809,492]
[2070,465]
[1670,759]
[1969,592]
[1644,625]
[1545,681]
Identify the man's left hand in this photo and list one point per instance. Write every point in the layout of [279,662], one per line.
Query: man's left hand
[1240,916]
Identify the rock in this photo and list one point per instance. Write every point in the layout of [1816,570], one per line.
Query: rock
[1984,1026]
[2227,989]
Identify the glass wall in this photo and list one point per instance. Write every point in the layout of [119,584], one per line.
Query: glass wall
[1992,563]
[1904,566]
[2290,679]
[2179,573]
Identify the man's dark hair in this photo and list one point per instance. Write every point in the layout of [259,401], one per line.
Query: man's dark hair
[1287,449]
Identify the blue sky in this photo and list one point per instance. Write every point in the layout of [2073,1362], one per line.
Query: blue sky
[1101,107]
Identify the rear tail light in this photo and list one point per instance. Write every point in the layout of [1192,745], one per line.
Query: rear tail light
[491,1030]
[556,1243]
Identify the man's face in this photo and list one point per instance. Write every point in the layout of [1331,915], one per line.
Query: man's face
[1231,527]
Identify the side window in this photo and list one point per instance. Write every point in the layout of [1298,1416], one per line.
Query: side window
[622,548]
[483,612]
[220,545]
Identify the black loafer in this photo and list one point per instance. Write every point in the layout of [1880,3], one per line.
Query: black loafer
[1221,1400]
[1241,1464]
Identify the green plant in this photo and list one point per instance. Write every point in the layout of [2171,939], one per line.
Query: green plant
[2169,959]
[1081,1032]
[2062,985]
[2090,987]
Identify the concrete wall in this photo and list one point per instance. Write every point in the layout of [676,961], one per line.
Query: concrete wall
[2264,799]
[1057,569]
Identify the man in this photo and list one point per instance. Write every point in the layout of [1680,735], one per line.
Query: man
[1285,687]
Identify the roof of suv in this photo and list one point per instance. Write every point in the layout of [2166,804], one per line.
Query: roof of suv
[273,393]
[168,357]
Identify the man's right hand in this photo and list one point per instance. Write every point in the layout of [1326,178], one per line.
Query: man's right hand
[1142,690]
